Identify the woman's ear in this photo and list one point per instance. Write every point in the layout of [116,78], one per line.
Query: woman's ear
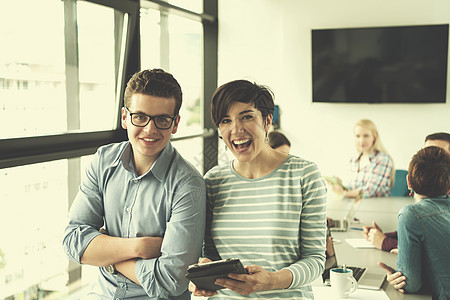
[407,181]
[268,122]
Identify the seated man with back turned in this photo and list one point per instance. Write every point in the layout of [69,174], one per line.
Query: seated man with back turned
[147,201]
[388,241]
[424,228]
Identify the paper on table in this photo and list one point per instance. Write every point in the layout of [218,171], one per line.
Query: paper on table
[326,293]
[359,243]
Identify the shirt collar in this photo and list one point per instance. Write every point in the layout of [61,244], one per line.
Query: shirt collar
[126,158]
[371,155]
[158,168]
[163,162]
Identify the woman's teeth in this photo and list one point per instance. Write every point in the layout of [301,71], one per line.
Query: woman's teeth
[241,141]
[241,144]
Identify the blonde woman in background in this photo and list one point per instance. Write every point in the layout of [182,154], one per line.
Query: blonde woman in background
[372,168]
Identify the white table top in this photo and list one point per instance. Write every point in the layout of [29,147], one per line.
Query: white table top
[384,212]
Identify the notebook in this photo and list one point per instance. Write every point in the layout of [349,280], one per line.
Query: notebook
[365,279]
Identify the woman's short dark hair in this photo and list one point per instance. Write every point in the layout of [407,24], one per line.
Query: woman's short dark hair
[429,172]
[261,97]
[155,82]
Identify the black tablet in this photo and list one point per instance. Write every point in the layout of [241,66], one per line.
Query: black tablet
[204,275]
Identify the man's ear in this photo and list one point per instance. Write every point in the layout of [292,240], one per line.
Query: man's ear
[175,126]
[124,118]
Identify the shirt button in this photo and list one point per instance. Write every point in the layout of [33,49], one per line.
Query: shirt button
[135,180]
[128,209]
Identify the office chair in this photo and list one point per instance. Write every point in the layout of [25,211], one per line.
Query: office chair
[400,188]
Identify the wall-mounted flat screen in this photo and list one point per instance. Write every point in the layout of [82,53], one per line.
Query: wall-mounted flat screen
[401,64]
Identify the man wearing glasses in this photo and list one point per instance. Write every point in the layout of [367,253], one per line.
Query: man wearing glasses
[140,212]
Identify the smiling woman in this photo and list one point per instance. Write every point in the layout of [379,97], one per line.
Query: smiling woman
[258,202]
[242,130]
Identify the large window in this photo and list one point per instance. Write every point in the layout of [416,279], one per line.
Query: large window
[175,43]
[99,33]
[62,71]
[32,68]
[63,68]
[36,74]
[34,210]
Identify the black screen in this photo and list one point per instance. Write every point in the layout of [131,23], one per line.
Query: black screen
[404,64]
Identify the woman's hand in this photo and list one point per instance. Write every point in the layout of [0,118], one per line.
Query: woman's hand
[258,279]
[198,292]
[396,279]
[335,186]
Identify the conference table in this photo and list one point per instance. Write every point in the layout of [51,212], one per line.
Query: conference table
[384,212]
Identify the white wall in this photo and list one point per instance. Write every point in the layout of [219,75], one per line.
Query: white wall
[269,41]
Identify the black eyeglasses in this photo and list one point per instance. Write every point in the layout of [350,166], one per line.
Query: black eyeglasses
[142,120]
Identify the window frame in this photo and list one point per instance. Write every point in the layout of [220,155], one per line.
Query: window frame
[209,20]
[75,144]
[35,149]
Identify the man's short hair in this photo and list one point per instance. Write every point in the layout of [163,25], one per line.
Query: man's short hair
[155,82]
[429,172]
[441,136]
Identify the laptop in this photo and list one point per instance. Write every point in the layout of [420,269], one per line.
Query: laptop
[365,279]
[340,222]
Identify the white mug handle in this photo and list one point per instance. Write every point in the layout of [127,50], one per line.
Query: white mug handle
[354,285]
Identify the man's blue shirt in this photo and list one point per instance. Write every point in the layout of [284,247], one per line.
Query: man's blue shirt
[167,201]
[424,245]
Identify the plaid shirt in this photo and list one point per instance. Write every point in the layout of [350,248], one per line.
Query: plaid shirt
[374,179]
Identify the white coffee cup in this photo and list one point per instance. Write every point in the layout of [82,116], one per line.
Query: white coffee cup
[342,282]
